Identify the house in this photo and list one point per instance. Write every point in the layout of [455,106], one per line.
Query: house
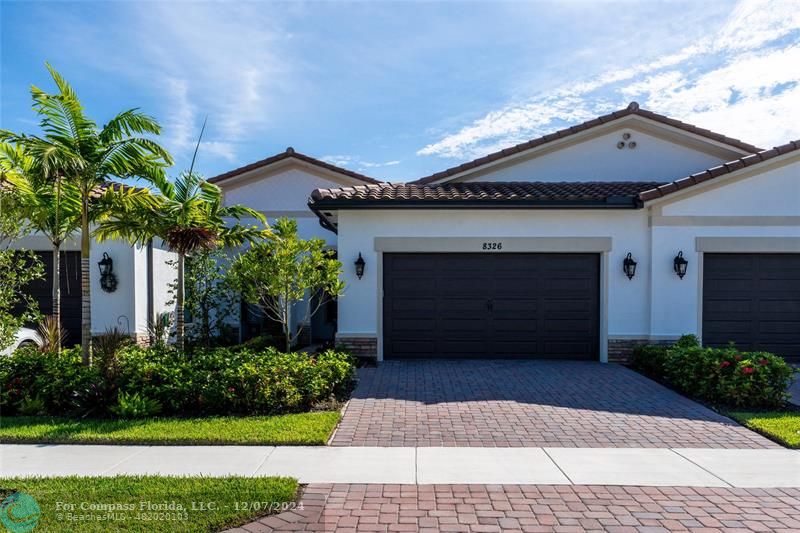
[279,186]
[140,291]
[522,253]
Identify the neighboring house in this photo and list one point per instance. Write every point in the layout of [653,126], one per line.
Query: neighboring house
[279,186]
[142,274]
[520,253]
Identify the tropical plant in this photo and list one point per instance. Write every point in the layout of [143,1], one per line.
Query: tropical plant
[158,330]
[51,333]
[190,218]
[135,405]
[17,269]
[80,153]
[106,348]
[49,206]
[209,299]
[12,223]
[279,273]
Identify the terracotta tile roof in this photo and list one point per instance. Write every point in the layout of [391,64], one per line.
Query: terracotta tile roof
[632,109]
[290,152]
[721,170]
[620,193]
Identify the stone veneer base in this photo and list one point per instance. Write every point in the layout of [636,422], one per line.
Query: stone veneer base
[359,346]
[621,350]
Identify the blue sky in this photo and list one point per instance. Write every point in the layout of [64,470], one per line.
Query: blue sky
[398,90]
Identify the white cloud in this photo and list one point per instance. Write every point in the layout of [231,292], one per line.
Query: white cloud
[741,80]
[223,61]
[356,163]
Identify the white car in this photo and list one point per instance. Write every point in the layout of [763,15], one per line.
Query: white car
[24,337]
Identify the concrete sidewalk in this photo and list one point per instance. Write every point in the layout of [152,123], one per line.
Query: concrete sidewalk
[697,467]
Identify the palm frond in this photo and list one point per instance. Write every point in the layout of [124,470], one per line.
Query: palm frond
[127,123]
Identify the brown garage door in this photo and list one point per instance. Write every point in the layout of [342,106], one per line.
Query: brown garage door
[491,305]
[752,300]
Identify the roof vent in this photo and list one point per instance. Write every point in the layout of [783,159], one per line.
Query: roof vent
[289,150]
[626,141]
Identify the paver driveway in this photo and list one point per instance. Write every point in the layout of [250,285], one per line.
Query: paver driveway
[496,508]
[527,403]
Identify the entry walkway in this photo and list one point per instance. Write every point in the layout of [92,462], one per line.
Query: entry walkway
[695,467]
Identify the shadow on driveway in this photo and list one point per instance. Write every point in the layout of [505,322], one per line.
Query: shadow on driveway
[527,403]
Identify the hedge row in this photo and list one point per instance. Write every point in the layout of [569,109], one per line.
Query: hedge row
[723,376]
[143,382]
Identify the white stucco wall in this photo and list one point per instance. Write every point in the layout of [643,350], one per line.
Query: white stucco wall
[125,308]
[283,191]
[774,192]
[599,159]
[655,305]
[746,206]
[676,302]
[165,273]
[628,300]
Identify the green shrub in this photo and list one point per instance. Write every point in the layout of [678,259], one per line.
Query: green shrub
[649,359]
[724,376]
[216,381]
[135,406]
[687,341]
[259,343]
[60,382]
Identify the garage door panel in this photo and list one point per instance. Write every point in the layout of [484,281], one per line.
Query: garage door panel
[523,327]
[730,325]
[752,300]
[779,328]
[414,305]
[737,286]
[566,350]
[730,306]
[779,306]
[492,305]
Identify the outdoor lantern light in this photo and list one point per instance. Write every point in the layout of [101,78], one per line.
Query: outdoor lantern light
[679,265]
[360,266]
[629,266]
[108,281]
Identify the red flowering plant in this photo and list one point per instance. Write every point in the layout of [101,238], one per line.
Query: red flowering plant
[724,376]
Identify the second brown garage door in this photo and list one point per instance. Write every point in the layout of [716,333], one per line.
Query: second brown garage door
[752,300]
[491,306]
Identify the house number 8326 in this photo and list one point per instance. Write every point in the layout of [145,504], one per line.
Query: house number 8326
[493,246]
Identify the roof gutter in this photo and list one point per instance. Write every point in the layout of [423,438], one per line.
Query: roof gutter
[612,202]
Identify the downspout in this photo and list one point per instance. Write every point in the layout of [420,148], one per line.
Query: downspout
[150,293]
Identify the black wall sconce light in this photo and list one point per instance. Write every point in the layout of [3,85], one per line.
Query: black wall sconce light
[679,265]
[360,266]
[629,266]
[108,281]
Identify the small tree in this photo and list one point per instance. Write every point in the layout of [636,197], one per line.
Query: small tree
[279,273]
[50,207]
[17,269]
[210,299]
[190,218]
[76,150]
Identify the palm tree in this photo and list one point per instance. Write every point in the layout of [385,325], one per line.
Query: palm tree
[74,148]
[49,206]
[188,217]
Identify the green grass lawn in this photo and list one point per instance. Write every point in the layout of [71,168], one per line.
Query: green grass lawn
[206,504]
[304,428]
[782,426]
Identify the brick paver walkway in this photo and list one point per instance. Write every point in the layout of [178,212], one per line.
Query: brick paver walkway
[528,403]
[487,508]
